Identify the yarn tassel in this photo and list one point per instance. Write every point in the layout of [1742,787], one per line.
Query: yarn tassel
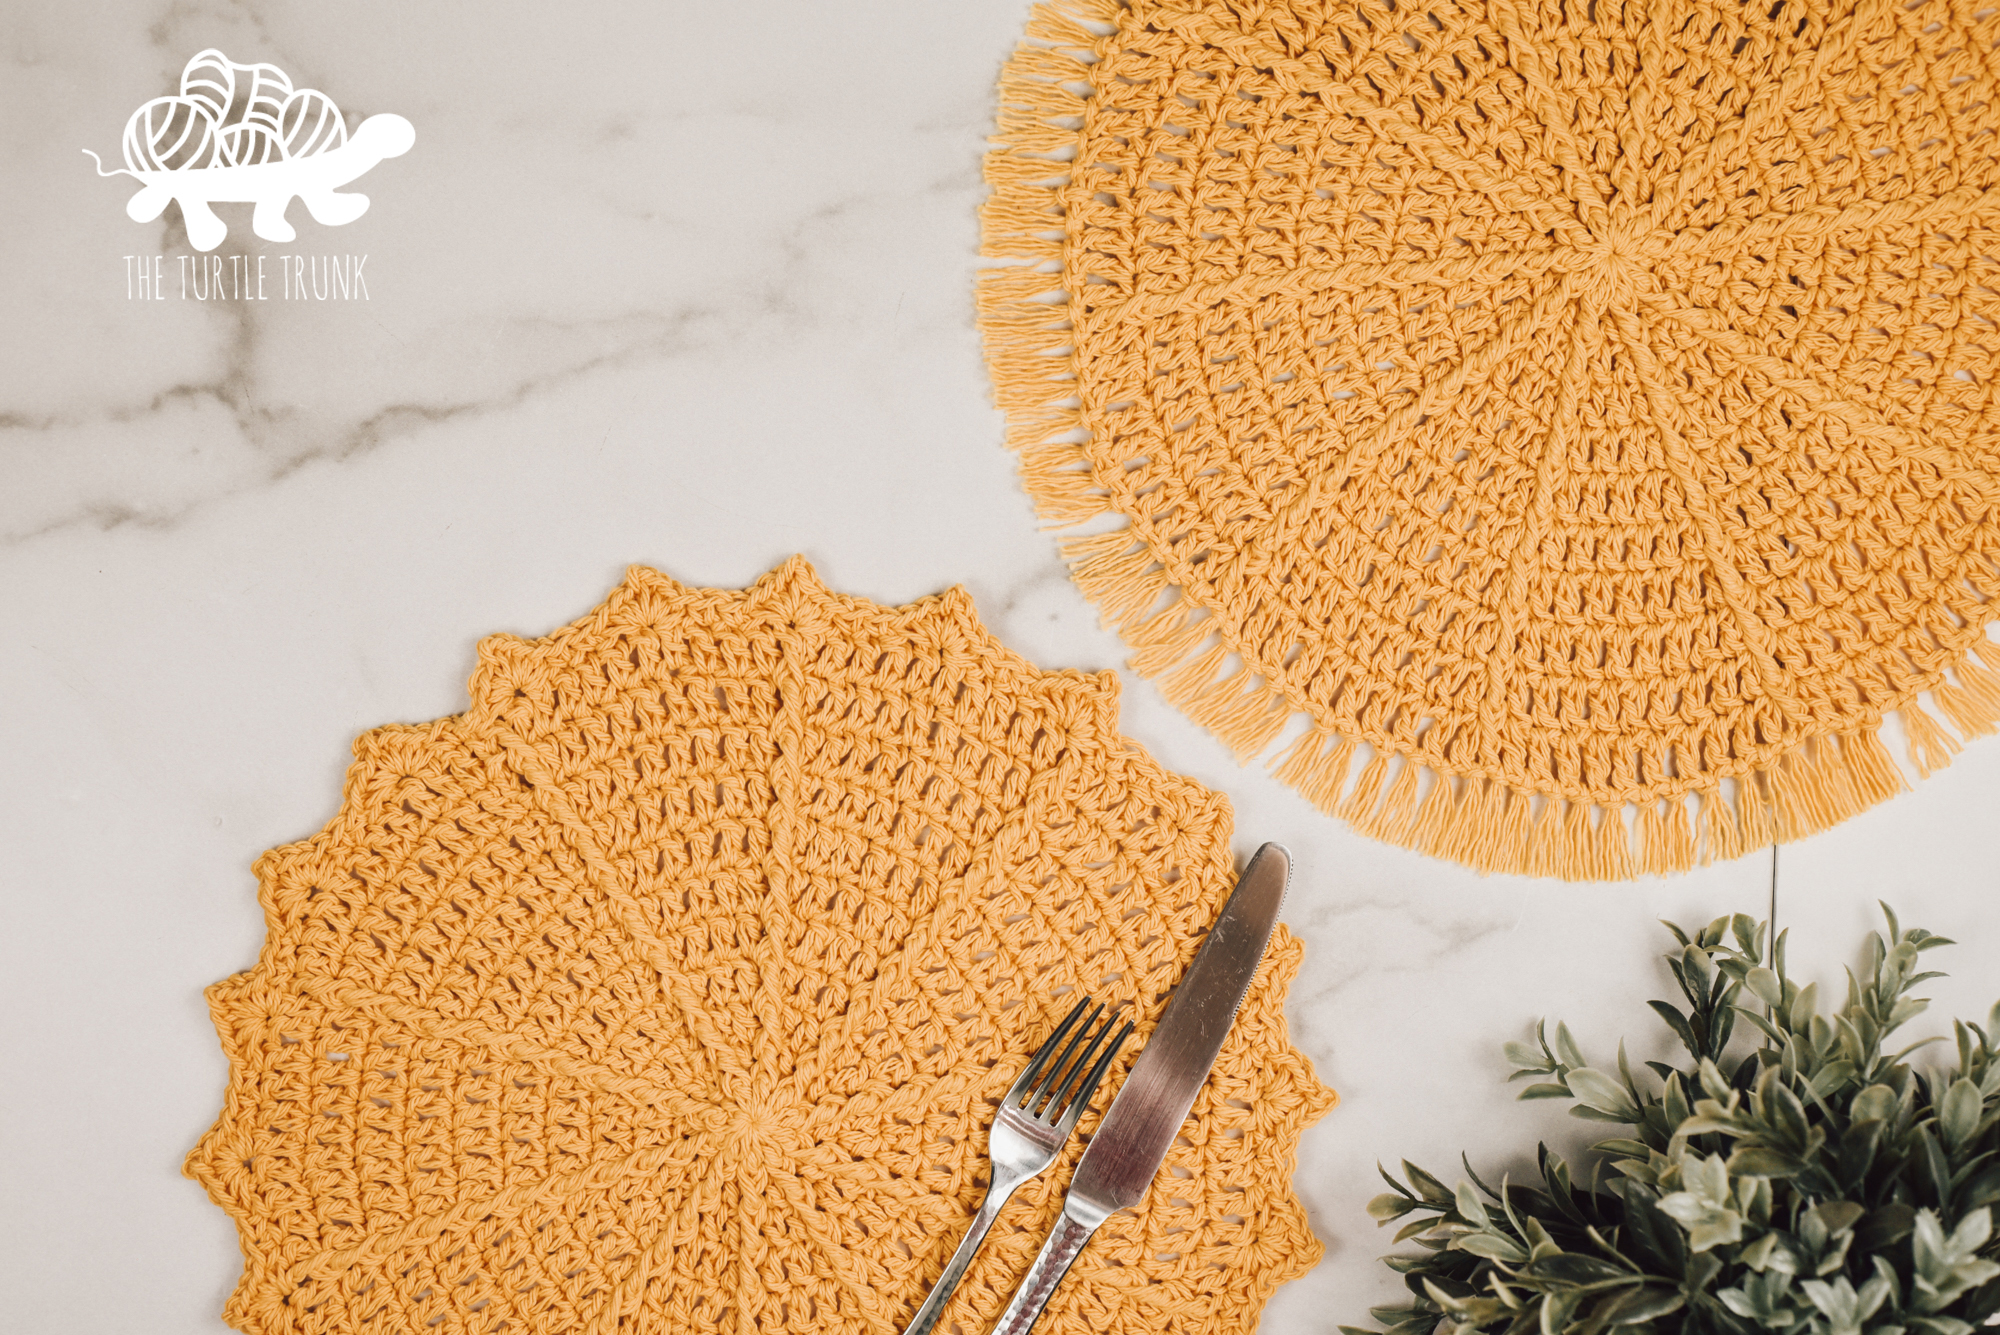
[1803,796]
[1543,840]
[1165,639]
[1973,706]
[1652,833]
[1117,572]
[1027,334]
[1870,768]
[1612,849]
[1828,795]
[1444,809]
[1574,856]
[1064,492]
[1464,831]
[1666,845]
[1359,808]
[1187,683]
[1241,710]
[1721,840]
[1509,849]
[1317,772]
[1753,813]
[1051,24]
[1397,820]
[1931,747]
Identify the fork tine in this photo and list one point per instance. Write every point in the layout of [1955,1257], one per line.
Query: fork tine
[1034,1066]
[1058,1074]
[1081,1100]
[1074,1072]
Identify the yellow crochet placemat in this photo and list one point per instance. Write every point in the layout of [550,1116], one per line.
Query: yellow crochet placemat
[1557,434]
[673,985]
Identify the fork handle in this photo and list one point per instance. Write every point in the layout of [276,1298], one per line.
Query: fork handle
[1057,1254]
[954,1269]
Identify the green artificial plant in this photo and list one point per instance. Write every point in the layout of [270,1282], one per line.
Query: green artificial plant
[1817,1185]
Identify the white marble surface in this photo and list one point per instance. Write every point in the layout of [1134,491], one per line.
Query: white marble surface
[687,285]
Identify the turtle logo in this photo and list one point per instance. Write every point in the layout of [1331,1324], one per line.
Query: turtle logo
[242,134]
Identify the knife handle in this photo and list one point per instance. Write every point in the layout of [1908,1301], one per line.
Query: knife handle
[1048,1270]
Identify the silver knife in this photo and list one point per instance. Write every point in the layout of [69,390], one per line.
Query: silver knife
[1132,1141]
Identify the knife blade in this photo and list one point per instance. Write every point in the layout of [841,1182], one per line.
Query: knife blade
[1132,1141]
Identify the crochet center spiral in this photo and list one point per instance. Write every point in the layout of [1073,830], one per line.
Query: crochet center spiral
[1581,414]
[672,987]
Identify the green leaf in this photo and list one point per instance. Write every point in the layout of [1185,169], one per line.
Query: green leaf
[1835,1216]
[1470,1208]
[1949,1265]
[1769,1030]
[1885,1226]
[1800,1012]
[1959,1112]
[1877,1103]
[1712,1082]
[1704,1206]
[1640,1304]
[1906,1010]
[1931,1157]
[1700,973]
[1394,1185]
[1749,934]
[1847,1311]
[1790,1112]
[1544,1092]
[1389,1206]
[1756,1161]
[1857,1152]
[1675,1099]
[1758,1255]
[1765,984]
[1764,1299]
[1595,1089]
[1566,1048]
[1983,1188]
[1573,1270]
[1677,1022]
[1493,1246]
[1414,1228]
[1429,1187]
[1940,1325]
[1833,1076]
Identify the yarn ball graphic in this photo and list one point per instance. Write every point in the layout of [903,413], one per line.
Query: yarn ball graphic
[675,983]
[242,133]
[1556,436]
[240,115]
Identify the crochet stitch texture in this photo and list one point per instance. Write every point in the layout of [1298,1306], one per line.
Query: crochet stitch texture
[1578,418]
[672,986]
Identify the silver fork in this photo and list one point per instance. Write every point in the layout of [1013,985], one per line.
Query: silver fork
[1034,1121]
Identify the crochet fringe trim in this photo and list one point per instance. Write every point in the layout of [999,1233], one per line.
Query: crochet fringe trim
[1478,822]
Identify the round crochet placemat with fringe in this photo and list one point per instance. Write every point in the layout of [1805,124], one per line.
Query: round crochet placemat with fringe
[673,986]
[1557,435]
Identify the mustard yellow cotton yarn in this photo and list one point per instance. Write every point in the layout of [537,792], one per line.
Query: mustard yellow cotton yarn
[672,986]
[1580,413]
